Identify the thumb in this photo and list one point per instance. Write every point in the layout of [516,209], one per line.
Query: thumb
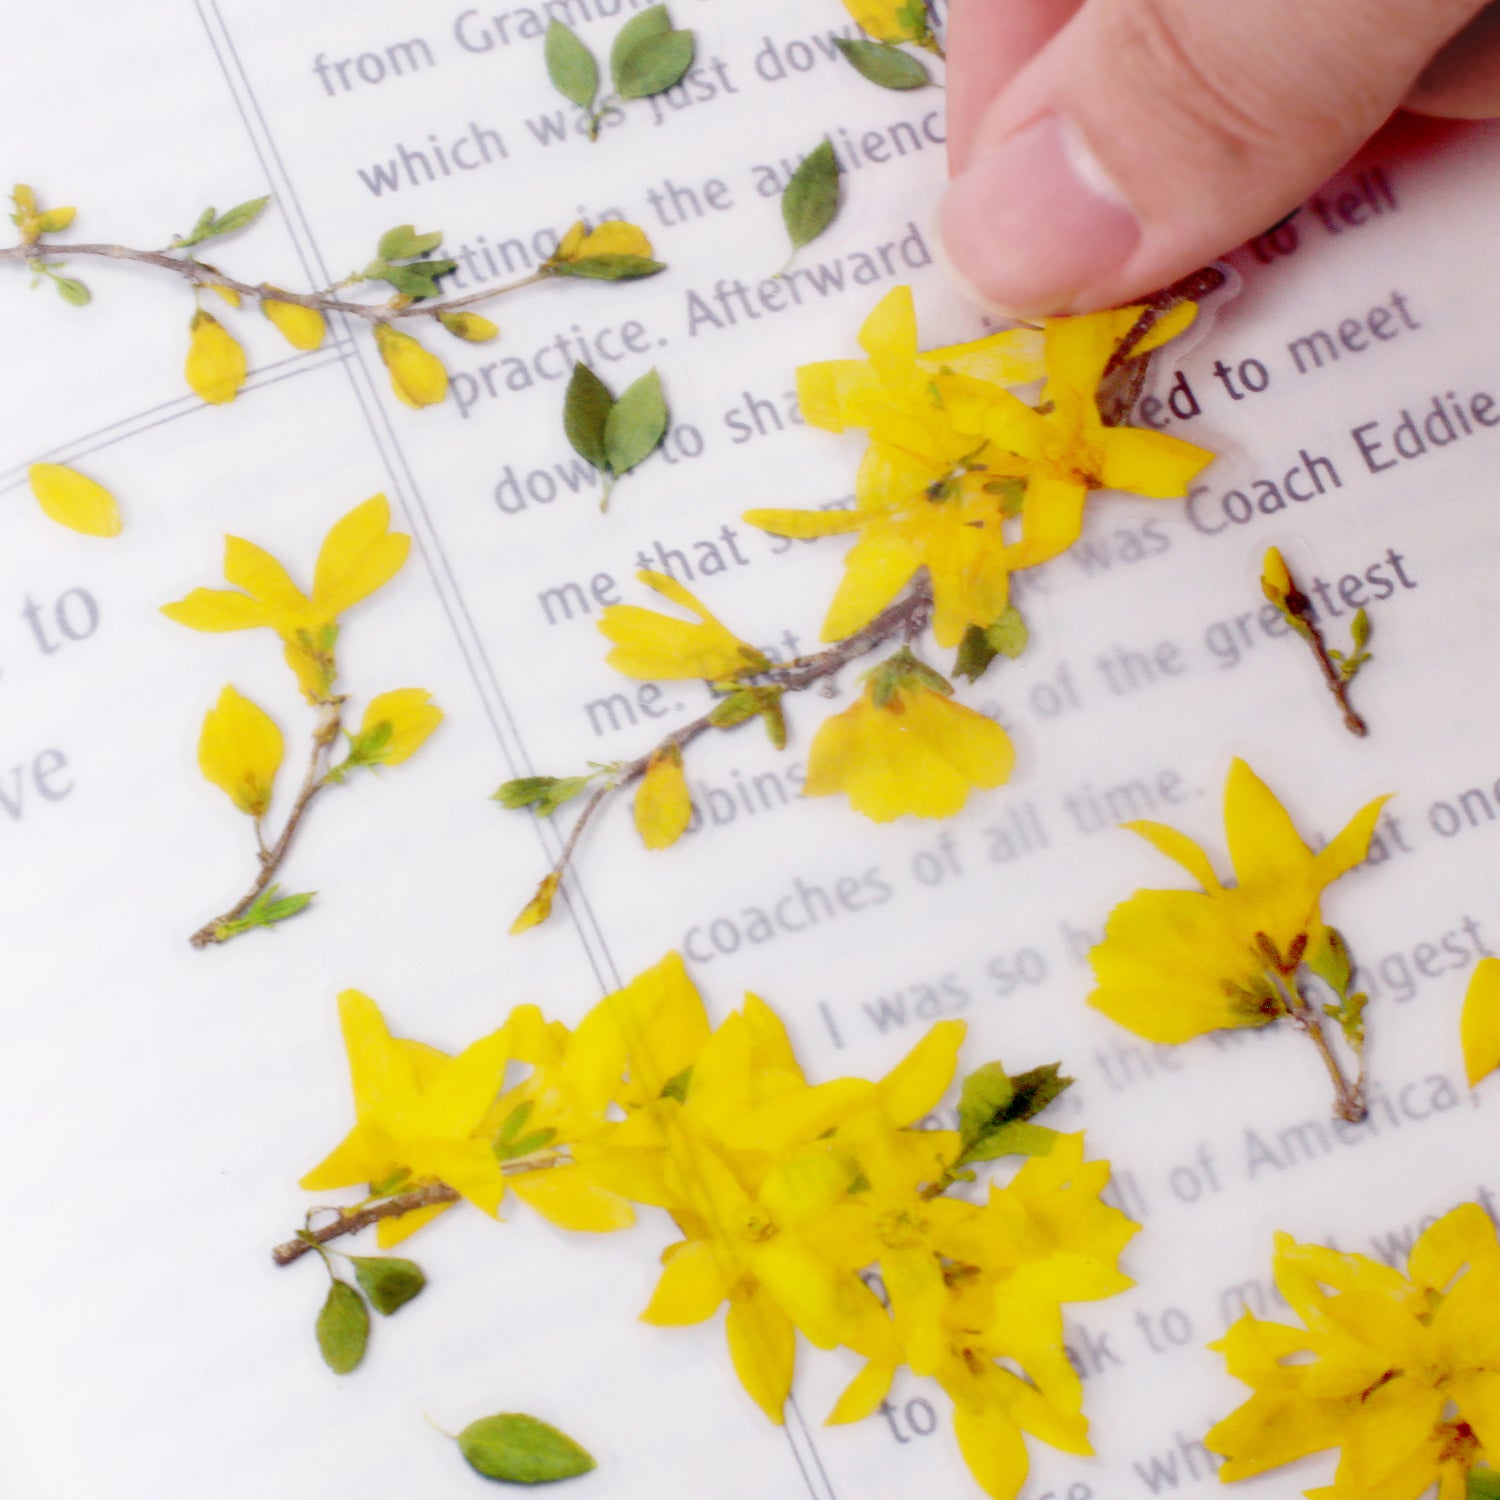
[1149,136]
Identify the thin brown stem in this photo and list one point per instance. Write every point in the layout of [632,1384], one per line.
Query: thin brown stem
[906,618]
[1348,1099]
[201,275]
[219,929]
[1299,606]
[429,1195]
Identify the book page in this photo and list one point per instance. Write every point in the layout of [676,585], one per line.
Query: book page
[164,1101]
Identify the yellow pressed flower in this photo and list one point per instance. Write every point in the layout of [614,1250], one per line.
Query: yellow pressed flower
[359,554]
[656,647]
[663,806]
[1070,449]
[302,327]
[215,362]
[396,725]
[905,747]
[240,751]
[539,908]
[932,490]
[612,237]
[892,20]
[417,375]
[470,326]
[1479,1029]
[1175,964]
[1275,577]
[33,222]
[417,1117]
[74,500]
[1400,1373]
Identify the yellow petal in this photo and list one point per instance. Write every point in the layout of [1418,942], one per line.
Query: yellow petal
[915,1085]
[391,1232]
[693,1283]
[470,326]
[567,248]
[1178,847]
[228,293]
[1352,844]
[1147,463]
[539,908]
[55,219]
[75,501]
[417,375]
[566,1197]
[216,610]
[411,715]
[215,364]
[359,554]
[240,750]
[302,327]
[613,237]
[663,807]
[862,1395]
[1479,1029]
[763,1346]
[1275,576]
[1263,842]
[253,569]
[804,523]
[993,1448]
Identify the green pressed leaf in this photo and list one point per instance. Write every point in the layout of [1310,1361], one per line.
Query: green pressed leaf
[404,243]
[1010,491]
[282,907]
[1484,1484]
[636,423]
[72,291]
[543,794]
[587,408]
[993,1109]
[884,64]
[975,653]
[653,21]
[987,1093]
[388,1281]
[655,64]
[521,1450]
[1008,634]
[1014,1139]
[609,267]
[419,279]
[1036,1089]
[1360,628]
[811,200]
[570,65]
[1331,961]
[343,1328]
[238,216]
[676,1087]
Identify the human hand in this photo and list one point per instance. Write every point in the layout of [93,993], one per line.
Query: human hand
[1103,148]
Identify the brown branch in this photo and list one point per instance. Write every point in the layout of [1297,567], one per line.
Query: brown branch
[1348,1099]
[906,618]
[271,859]
[1299,606]
[200,275]
[351,1223]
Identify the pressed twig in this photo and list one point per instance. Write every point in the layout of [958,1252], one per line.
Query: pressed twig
[1299,606]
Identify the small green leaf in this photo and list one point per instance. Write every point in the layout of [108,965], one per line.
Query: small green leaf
[1484,1484]
[1008,634]
[1359,628]
[636,424]
[404,243]
[519,1449]
[993,1110]
[608,267]
[543,794]
[1010,491]
[811,200]
[343,1328]
[676,1087]
[388,1281]
[653,21]
[1014,1139]
[987,1093]
[419,279]
[654,64]
[587,408]
[238,216]
[975,653]
[72,291]
[571,66]
[884,64]
[526,1144]
[1329,958]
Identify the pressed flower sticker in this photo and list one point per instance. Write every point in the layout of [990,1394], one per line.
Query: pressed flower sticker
[74,500]
[1175,964]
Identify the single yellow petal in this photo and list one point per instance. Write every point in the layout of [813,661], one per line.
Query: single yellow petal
[567,1197]
[693,1282]
[663,805]
[1154,464]
[470,326]
[915,1085]
[804,523]
[263,578]
[240,750]
[217,610]
[567,248]
[302,327]
[1178,847]
[1479,1029]
[411,717]
[613,237]
[889,333]
[55,219]
[1351,846]
[74,500]
[539,908]
[359,554]
[228,293]
[215,363]
[417,375]
[1275,576]
[763,1346]
[862,1396]
[993,1448]
[1264,844]
[391,1232]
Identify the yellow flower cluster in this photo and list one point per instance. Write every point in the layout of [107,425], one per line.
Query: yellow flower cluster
[894,21]
[1400,1373]
[792,1199]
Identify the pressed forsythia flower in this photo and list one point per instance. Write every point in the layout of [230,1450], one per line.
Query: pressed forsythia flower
[416,1113]
[657,647]
[1175,964]
[302,327]
[359,554]
[1275,577]
[1400,1373]
[612,237]
[930,492]
[74,500]
[905,747]
[539,908]
[663,807]
[417,375]
[1479,1030]
[470,326]
[215,362]
[892,20]
[240,751]
[32,221]
[396,725]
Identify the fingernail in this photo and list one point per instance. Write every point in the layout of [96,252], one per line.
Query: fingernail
[1033,224]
